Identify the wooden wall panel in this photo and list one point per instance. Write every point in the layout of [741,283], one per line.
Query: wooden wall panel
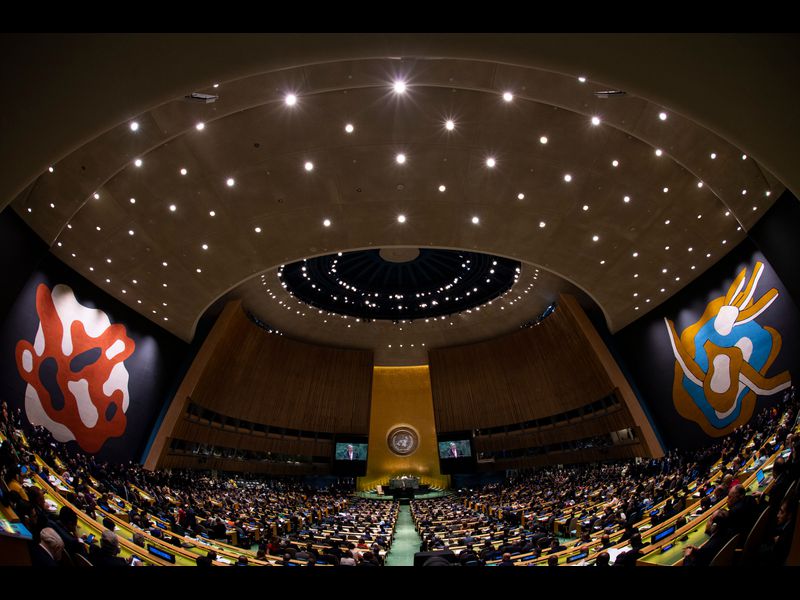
[270,379]
[536,372]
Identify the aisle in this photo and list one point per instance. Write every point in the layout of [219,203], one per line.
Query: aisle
[406,540]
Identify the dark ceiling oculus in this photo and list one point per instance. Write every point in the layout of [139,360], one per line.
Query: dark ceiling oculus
[364,285]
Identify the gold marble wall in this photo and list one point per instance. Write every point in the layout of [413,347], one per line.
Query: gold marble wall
[401,396]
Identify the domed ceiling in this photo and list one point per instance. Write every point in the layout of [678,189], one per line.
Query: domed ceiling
[591,189]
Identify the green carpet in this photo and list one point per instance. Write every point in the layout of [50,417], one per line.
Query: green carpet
[406,540]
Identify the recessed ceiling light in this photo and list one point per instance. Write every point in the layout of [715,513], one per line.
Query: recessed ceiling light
[693,267]
[635,294]
[400,158]
[567,177]
[635,254]
[59,244]
[290,99]
[520,196]
[132,200]
[508,96]
[543,139]
[744,192]
[442,188]
[595,121]
[663,290]
[666,247]
[614,163]
[626,199]
[91,268]
[199,270]
[541,224]
[635,308]
[585,207]
[164,284]
[327,222]
[595,238]
[50,169]
[664,270]
[602,262]
[449,125]
[665,190]
[96,196]
[98,228]
[755,208]
[744,156]
[52,205]
[216,85]
[172,208]
[708,255]
[164,264]
[690,249]
[130,231]
[475,220]
[69,226]
[200,126]
[205,246]
[724,241]
[212,213]
[108,280]
[401,218]
[713,155]
[699,184]
[184,171]
[699,216]
[635,275]
[399,86]
[659,152]
[138,162]
[134,126]
[349,128]
[138,301]
[230,182]
[134,281]
[491,162]
[308,166]
[258,229]
[767,193]
[582,79]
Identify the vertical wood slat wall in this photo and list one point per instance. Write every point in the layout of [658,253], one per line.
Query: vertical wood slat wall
[269,379]
[536,372]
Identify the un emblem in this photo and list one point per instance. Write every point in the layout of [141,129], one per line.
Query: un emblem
[721,361]
[402,440]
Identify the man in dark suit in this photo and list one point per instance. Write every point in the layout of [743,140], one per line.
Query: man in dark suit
[350,452]
[47,553]
[452,452]
[106,556]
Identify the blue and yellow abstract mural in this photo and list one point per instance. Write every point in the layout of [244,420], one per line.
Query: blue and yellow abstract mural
[721,361]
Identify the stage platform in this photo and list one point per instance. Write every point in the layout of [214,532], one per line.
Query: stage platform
[417,496]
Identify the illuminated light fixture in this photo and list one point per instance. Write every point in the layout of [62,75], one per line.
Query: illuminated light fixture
[677,279]
[172,208]
[635,308]
[585,207]
[212,213]
[595,238]
[449,125]
[50,169]
[164,284]
[401,218]
[727,213]
[134,281]
[663,290]
[635,294]
[767,193]
[130,231]
[582,79]
[693,267]
[744,192]
[399,86]
[635,254]
[491,162]
[184,171]
[290,99]
[541,224]
[635,275]
[666,247]
[667,222]
[199,270]
[614,163]
[602,262]
[442,188]
[200,126]
[664,270]
[708,255]
[520,196]
[134,126]
[699,216]
[216,85]
[98,228]
[205,246]
[713,155]
[626,199]
[327,222]
[543,139]
[91,268]
[662,116]
[659,152]
[665,190]
[595,121]
[230,182]
[138,162]
[96,196]
[400,158]
[508,96]
[258,230]
[475,220]
[308,166]
[164,264]
[69,226]
[690,249]
[132,200]
[52,205]
[699,184]
[567,177]
[754,208]
[108,280]
[138,301]
[60,244]
[744,156]
[349,128]
[124,291]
